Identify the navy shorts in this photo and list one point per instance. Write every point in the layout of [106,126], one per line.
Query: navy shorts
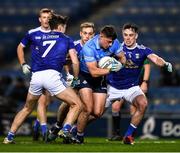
[97,84]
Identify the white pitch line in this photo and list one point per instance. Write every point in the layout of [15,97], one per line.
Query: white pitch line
[159,142]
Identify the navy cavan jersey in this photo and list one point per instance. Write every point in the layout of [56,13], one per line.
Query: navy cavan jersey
[78,47]
[91,52]
[49,49]
[129,75]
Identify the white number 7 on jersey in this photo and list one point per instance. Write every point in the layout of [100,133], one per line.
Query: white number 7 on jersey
[51,44]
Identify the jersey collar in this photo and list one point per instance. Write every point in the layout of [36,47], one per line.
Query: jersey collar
[45,31]
[131,48]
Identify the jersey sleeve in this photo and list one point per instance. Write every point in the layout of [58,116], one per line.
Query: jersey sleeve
[148,51]
[26,40]
[71,44]
[88,54]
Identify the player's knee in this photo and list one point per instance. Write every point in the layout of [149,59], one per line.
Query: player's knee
[115,109]
[116,106]
[143,105]
[78,105]
[27,110]
[98,114]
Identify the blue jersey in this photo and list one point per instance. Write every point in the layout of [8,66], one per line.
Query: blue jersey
[91,52]
[130,74]
[49,49]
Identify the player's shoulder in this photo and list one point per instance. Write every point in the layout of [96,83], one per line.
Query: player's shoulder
[141,46]
[34,30]
[92,43]
[76,42]
[144,48]
[116,43]
[67,37]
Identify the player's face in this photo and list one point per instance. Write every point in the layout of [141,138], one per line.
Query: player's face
[86,34]
[105,42]
[44,20]
[129,37]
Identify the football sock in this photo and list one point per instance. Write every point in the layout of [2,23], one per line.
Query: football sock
[36,125]
[58,124]
[10,136]
[116,117]
[74,130]
[43,128]
[131,130]
[80,135]
[66,127]
[55,129]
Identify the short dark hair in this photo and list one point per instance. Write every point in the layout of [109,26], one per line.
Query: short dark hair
[109,31]
[132,26]
[57,20]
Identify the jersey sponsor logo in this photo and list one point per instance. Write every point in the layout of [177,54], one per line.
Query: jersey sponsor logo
[130,64]
[50,37]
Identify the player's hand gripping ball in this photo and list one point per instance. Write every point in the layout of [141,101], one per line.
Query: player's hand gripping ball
[105,62]
[110,63]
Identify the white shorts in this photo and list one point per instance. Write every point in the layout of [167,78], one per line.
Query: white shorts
[50,80]
[117,94]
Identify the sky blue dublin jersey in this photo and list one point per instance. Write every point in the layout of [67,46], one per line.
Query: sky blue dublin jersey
[49,49]
[129,75]
[91,52]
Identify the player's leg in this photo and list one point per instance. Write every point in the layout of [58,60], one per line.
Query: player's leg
[21,116]
[61,115]
[43,103]
[138,99]
[75,106]
[116,120]
[87,100]
[132,109]
[99,104]
[41,120]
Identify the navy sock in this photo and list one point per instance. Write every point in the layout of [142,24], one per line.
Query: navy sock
[80,134]
[116,117]
[55,129]
[10,135]
[131,129]
[43,128]
[74,130]
[36,125]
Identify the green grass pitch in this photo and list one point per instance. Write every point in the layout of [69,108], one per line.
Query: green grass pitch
[25,144]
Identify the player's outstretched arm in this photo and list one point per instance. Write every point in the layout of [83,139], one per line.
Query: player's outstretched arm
[160,62]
